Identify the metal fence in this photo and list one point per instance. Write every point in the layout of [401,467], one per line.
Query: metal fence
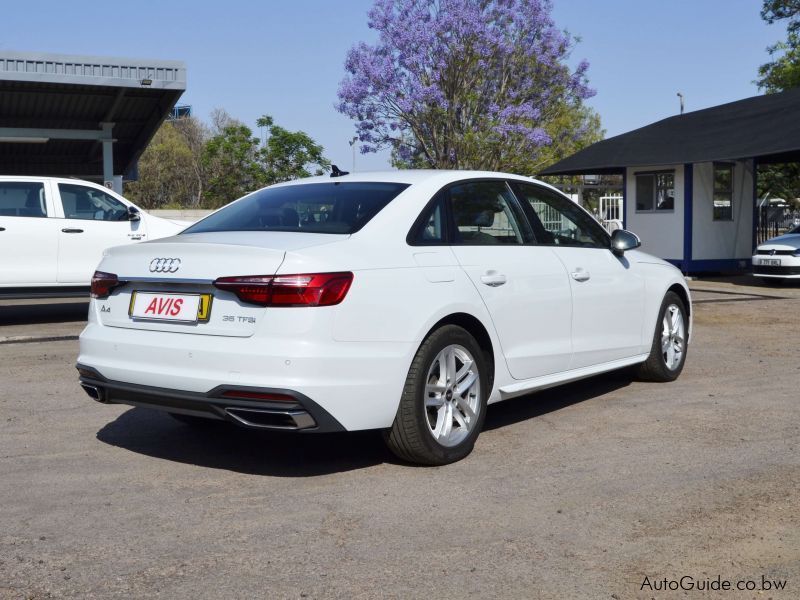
[774,221]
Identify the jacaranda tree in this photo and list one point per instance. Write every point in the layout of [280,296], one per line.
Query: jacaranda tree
[465,84]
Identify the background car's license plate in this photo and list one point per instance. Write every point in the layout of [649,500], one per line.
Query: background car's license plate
[772,262]
[184,308]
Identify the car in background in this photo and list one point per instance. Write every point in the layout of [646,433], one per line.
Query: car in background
[404,301]
[53,232]
[779,257]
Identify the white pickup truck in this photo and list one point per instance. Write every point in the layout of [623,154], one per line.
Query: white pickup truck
[53,232]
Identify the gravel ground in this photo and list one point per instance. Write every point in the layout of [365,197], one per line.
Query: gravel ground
[577,492]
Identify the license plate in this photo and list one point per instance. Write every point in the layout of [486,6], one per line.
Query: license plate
[770,262]
[160,306]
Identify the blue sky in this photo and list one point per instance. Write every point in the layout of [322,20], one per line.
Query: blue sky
[286,58]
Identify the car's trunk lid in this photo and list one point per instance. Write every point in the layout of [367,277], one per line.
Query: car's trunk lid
[185,267]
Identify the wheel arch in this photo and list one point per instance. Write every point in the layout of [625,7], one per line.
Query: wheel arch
[678,289]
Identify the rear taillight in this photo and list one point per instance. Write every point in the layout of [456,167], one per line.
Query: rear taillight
[311,289]
[103,284]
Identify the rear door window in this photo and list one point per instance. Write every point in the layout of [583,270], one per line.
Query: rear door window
[485,213]
[22,199]
[335,207]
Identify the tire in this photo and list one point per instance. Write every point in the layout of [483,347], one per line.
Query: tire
[665,363]
[420,433]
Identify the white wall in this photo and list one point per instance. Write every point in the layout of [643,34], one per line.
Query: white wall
[661,232]
[715,240]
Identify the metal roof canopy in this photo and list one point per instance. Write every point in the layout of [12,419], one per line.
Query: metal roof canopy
[84,116]
[766,128]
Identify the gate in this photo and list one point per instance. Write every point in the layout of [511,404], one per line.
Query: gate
[773,221]
[609,210]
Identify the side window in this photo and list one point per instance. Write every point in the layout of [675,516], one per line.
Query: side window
[22,199]
[484,215]
[90,204]
[655,192]
[557,221]
[431,229]
[723,192]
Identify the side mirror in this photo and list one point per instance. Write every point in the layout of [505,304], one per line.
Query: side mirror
[622,240]
[133,214]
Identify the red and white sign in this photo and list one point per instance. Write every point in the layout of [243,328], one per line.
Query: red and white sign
[165,307]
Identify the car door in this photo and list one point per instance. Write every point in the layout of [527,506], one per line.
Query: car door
[93,221]
[608,294]
[524,287]
[28,234]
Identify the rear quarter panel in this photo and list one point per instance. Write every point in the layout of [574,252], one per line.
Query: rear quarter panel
[399,302]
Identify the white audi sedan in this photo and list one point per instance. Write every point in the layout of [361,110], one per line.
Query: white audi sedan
[403,301]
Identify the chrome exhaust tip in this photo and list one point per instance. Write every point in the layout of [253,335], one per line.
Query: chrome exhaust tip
[94,392]
[260,418]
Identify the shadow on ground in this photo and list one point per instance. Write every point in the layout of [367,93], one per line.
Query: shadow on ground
[62,312]
[551,400]
[222,445]
[226,446]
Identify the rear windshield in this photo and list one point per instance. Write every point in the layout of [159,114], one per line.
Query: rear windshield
[335,207]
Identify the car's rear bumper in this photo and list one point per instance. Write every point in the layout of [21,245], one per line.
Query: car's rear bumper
[358,384]
[287,410]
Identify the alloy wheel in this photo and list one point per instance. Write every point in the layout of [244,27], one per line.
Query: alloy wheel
[452,395]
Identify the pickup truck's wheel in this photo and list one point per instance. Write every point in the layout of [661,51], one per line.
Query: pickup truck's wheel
[443,404]
[670,342]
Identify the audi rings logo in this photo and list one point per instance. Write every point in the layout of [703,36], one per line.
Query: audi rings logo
[165,265]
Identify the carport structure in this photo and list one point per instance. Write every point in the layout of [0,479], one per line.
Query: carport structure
[82,116]
[689,181]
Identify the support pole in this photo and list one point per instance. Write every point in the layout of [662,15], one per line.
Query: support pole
[108,159]
[688,213]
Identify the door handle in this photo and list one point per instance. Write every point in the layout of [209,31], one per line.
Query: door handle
[71,230]
[493,279]
[2,228]
[581,275]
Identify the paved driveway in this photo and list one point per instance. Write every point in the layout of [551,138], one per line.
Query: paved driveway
[576,492]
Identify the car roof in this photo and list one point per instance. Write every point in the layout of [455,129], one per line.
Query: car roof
[409,176]
[439,177]
[47,178]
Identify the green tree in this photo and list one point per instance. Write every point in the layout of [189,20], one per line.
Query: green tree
[195,134]
[236,163]
[572,127]
[779,181]
[190,164]
[288,154]
[232,165]
[782,73]
[166,172]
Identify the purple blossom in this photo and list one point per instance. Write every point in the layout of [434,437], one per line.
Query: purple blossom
[446,71]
